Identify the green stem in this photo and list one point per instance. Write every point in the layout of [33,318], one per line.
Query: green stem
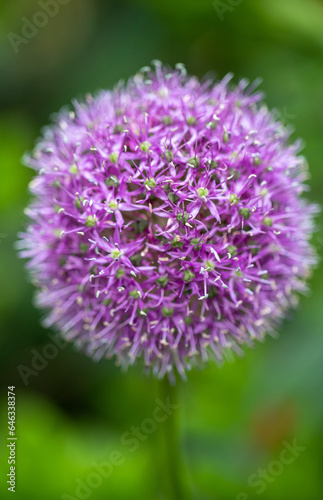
[174,481]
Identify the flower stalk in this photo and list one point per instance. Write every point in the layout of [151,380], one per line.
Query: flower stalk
[172,477]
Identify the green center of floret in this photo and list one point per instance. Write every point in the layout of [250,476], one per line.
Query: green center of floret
[113,204]
[183,217]
[116,253]
[191,120]
[73,169]
[167,312]
[162,281]
[193,162]
[188,276]
[90,221]
[257,161]
[209,264]
[120,273]
[150,183]
[233,199]
[144,146]
[232,250]
[112,181]
[268,221]
[202,192]
[113,157]
[245,212]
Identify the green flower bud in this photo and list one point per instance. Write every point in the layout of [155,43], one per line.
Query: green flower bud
[78,202]
[193,162]
[167,312]
[191,120]
[144,146]
[188,276]
[182,217]
[83,247]
[173,198]
[232,250]
[116,253]
[113,204]
[202,192]
[112,181]
[120,273]
[118,129]
[151,183]
[167,120]
[245,212]
[213,164]
[196,242]
[233,199]
[73,169]
[268,221]
[212,125]
[162,281]
[176,243]
[113,157]
[90,221]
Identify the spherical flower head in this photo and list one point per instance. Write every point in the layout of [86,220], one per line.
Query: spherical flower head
[168,223]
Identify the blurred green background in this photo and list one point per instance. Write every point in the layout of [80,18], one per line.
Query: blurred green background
[234,419]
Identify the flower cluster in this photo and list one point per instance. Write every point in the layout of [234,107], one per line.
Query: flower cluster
[167,222]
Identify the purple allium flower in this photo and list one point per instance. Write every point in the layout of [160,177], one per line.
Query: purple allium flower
[168,223]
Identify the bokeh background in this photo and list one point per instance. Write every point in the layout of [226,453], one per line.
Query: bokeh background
[234,419]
